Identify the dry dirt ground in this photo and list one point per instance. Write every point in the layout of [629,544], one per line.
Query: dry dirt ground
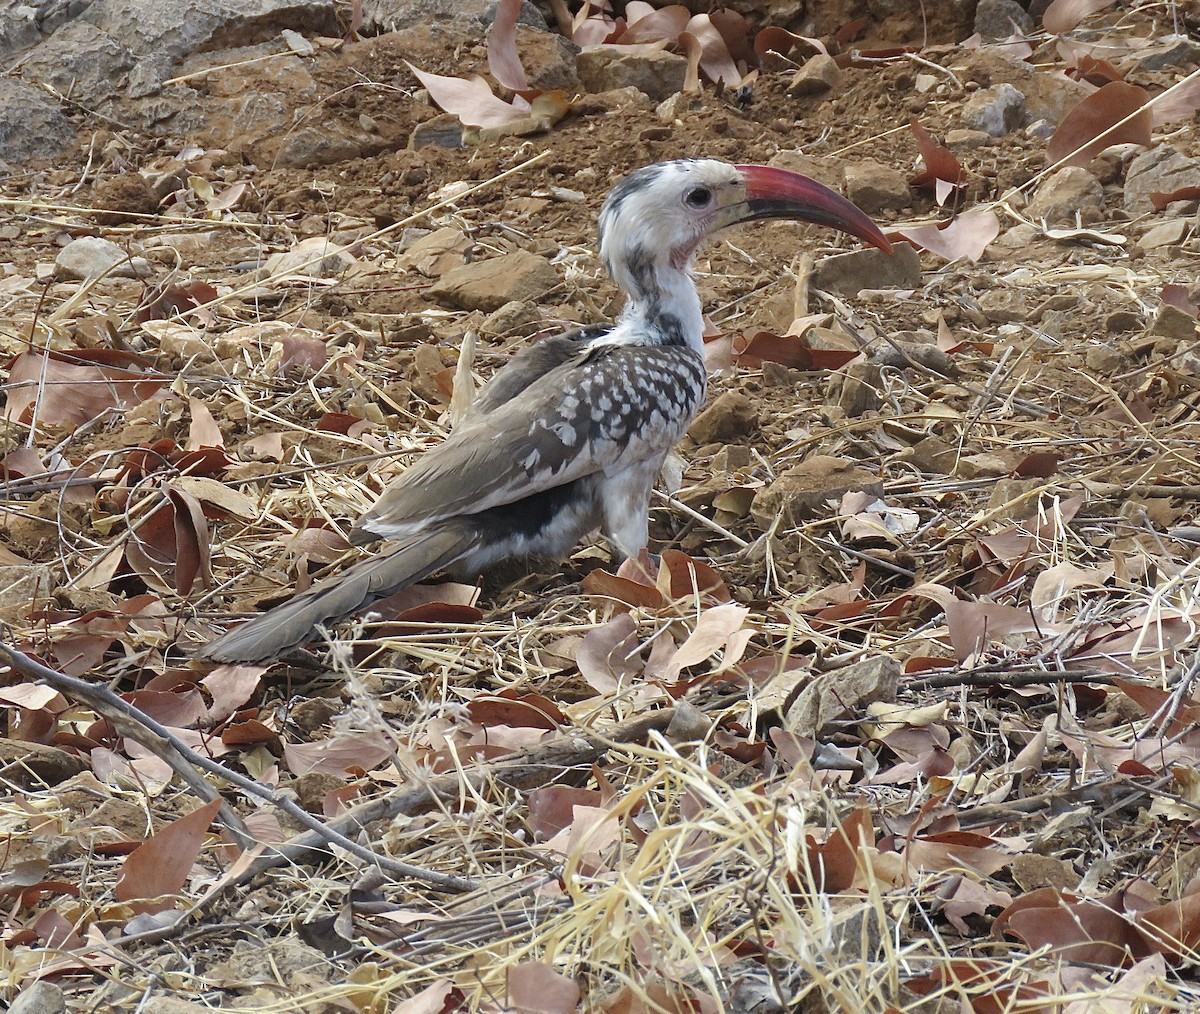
[927,747]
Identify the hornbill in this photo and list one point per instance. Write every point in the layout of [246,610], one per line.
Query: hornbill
[571,434]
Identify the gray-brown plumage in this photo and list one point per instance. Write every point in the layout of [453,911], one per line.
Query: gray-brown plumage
[572,433]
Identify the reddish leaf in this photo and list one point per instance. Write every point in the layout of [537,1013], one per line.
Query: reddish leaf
[1093,71]
[159,867]
[191,541]
[1161,200]
[687,575]
[248,733]
[551,808]
[664,23]
[361,750]
[1090,127]
[169,300]
[1177,296]
[1039,465]
[340,422]
[1064,15]
[940,163]
[715,58]
[835,861]
[302,355]
[850,31]
[603,585]
[70,390]
[531,711]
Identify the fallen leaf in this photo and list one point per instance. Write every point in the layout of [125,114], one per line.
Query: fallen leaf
[1065,15]
[159,867]
[502,57]
[472,100]
[968,235]
[1090,127]
[536,988]
[940,162]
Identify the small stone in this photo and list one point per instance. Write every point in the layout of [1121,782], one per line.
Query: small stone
[732,458]
[513,317]
[1121,321]
[656,73]
[1064,194]
[996,111]
[39,998]
[1018,237]
[803,491]
[932,456]
[818,75]
[444,131]
[1172,322]
[1005,305]
[730,417]
[925,83]
[856,388]
[1104,359]
[999,19]
[1040,130]
[488,285]
[962,139]
[92,256]
[316,146]
[297,43]
[436,253]
[876,187]
[671,109]
[549,59]
[822,168]
[981,466]
[1161,169]
[1170,233]
[314,257]
[847,274]
[1170,51]
[1010,500]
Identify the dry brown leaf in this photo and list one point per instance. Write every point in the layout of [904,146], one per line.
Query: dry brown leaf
[355,751]
[72,389]
[608,656]
[1087,129]
[203,431]
[645,24]
[502,57]
[159,867]
[715,59]
[940,162]
[471,100]
[536,988]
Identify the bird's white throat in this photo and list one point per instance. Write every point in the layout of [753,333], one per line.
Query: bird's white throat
[663,308]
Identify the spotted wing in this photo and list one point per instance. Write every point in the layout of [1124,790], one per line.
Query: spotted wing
[604,409]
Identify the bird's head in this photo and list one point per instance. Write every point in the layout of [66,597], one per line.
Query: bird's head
[657,216]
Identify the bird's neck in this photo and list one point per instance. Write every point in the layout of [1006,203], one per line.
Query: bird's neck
[663,308]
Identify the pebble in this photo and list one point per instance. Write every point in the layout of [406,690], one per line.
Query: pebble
[996,110]
[818,75]
[847,274]
[1172,322]
[1169,233]
[1064,193]
[487,285]
[93,256]
[730,416]
[875,187]
[657,73]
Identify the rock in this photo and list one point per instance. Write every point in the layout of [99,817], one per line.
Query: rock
[672,109]
[162,32]
[33,765]
[436,252]
[933,456]
[124,198]
[1104,359]
[998,19]
[653,72]
[856,388]
[613,100]
[847,274]
[1122,320]
[314,146]
[1005,305]
[19,28]
[961,139]
[996,111]
[1048,95]
[876,187]
[1018,237]
[549,60]
[980,466]
[445,131]
[1172,322]
[513,317]
[488,285]
[39,998]
[1010,499]
[315,257]
[1040,130]
[1064,194]
[32,127]
[1170,233]
[81,61]
[1161,169]
[817,76]
[91,257]
[392,15]
[903,355]
[1168,52]
[803,491]
[732,416]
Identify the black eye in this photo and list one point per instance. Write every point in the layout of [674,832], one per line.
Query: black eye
[698,197]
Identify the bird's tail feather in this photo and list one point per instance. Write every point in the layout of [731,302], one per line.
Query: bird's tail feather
[291,623]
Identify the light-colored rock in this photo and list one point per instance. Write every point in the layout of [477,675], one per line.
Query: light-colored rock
[19,27]
[1172,322]
[876,187]
[674,108]
[316,146]
[819,74]
[846,274]
[436,252]
[92,256]
[80,61]
[1064,194]
[1000,19]
[1004,305]
[856,389]
[654,72]
[1048,94]
[732,416]
[549,60]
[487,285]
[1162,169]
[1169,233]
[933,456]
[40,998]
[393,15]
[315,257]
[996,111]
[823,169]
[962,139]
[513,317]
[980,466]
[1168,52]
